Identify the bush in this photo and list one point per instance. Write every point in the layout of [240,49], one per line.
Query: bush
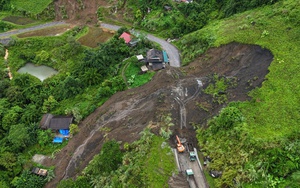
[73,129]
[28,180]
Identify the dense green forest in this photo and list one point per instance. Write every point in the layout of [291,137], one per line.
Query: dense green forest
[254,143]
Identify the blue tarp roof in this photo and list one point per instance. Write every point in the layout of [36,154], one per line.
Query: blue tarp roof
[166,59]
[58,140]
[64,132]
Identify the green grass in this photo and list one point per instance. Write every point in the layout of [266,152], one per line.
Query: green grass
[272,118]
[160,163]
[34,7]
[272,27]
[19,20]
[134,78]
[277,115]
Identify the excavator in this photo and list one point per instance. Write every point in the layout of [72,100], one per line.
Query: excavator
[180,147]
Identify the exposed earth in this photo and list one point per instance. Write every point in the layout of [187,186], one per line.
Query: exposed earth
[127,113]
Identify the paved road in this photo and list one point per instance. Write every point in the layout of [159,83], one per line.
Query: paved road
[171,50]
[19,31]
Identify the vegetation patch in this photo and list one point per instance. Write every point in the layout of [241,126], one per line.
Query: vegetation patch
[34,7]
[134,75]
[19,20]
[259,154]
[218,88]
[147,162]
[4,26]
[95,36]
[50,31]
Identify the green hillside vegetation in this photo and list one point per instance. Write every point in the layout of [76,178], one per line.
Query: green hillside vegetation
[263,138]
[40,10]
[87,77]
[34,7]
[174,19]
[147,162]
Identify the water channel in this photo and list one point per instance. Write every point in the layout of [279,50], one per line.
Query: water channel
[41,72]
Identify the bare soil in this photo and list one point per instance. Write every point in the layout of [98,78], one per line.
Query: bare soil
[75,12]
[127,113]
[95,36]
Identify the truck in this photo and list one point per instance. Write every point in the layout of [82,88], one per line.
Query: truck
[190,178]
[191,151]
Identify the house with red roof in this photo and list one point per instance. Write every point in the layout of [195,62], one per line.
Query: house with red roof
[126,36]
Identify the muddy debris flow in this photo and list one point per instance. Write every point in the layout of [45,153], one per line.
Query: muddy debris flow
[127,113]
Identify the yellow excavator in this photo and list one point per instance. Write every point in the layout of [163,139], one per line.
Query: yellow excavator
[180,147]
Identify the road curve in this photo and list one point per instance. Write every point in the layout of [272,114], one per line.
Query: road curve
[171,50]
[19,31]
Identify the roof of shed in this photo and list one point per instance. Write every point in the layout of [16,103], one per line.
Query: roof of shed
[60,122]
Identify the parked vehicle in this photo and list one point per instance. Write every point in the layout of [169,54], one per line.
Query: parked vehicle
[192,153]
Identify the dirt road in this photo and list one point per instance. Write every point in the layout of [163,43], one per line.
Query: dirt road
[171,50]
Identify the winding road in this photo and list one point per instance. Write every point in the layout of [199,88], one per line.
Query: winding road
[171,50]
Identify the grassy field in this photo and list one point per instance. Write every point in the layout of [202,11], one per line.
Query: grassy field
[277,115]
[159,164]
[134,79]
[271,27]
[34,7]
[95,36]
[271,128]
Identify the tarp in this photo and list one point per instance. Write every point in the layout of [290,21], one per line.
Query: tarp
[166,59]
[64,132]
[58,140]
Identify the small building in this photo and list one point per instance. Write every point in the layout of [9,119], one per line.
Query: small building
[157,59]
[126,36]
[55,123]
[140,57]
[129,39]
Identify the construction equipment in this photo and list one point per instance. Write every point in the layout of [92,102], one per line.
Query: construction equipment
[192,153]
[180,147]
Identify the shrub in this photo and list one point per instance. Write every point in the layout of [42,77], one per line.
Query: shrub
[73,129]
